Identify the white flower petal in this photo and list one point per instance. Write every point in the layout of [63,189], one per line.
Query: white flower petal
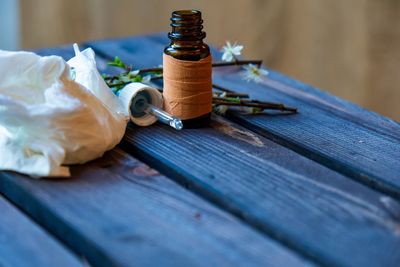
[264,72]
[231,51]
[237,50]
[146,79]
[135,72]
[227,56]
[253,73]
[221,109]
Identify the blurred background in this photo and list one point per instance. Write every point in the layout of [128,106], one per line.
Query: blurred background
[350,48]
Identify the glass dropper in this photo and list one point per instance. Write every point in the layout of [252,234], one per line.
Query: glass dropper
[141,106]
[164,117]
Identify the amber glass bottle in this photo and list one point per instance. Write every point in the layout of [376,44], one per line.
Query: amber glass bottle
[187,44]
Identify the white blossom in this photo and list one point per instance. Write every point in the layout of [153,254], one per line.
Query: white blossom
[254,73]
[231,51]
[220,109]
[134,72]
[146,79]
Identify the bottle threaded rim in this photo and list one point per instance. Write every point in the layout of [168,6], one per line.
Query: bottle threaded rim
[186,24]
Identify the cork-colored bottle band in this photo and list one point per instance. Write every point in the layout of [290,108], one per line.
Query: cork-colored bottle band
[187,87]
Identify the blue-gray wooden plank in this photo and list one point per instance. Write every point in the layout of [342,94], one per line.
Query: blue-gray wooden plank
[25,244]
[360,144]
[362,152]
[66,51]
[305,205]
[118,212]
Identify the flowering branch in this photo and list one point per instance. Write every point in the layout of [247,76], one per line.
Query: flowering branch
[159,70]
[221,100]
[259,105]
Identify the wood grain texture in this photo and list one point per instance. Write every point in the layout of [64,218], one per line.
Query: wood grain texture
[365,149]
[145,51]
[304,205]
[25,244]
[116,211]
[307,206]
[360,144]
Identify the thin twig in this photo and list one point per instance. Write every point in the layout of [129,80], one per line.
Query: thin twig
[239,95]
[118,84]
[230,93]
[237,63]
[257,104]
[159,77]
[157,70]
[222,88]
[230,98]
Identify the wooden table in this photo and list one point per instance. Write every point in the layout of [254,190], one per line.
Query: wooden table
[319,188]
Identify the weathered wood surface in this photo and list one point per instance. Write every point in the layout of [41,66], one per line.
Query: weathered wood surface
[307,207]
[326,216]
[362,152]
[360,144]
[116,211]
[25,244]
[66,51]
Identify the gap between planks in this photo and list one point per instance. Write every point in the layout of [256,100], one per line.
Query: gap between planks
[239,213]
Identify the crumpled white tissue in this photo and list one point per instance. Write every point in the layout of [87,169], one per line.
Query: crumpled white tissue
[49,118]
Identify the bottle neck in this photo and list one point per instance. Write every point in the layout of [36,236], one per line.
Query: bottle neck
[187,28]
[187,36]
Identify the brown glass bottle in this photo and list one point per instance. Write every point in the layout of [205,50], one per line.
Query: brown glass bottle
[187,44]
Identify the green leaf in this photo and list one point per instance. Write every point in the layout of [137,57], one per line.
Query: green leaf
[255,110]
[124,78]
[232,99]
[117,62]
[137,78]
